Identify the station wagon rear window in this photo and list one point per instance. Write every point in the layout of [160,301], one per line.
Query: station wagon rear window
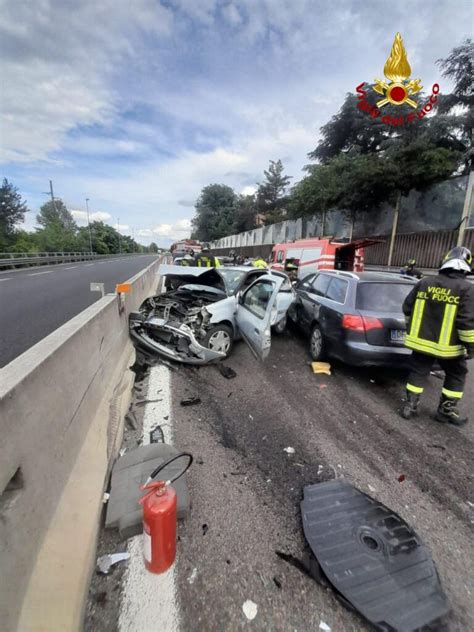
[382,297]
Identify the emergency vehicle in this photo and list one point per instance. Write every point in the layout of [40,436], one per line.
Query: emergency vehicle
[310,255]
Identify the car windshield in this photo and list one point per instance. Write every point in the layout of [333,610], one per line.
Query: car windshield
[382,297]
[232,278]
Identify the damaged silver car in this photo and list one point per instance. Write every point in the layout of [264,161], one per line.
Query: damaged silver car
[207,309]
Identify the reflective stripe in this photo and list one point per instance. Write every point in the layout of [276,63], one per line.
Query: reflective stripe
[434,348]
[415,389]
[447,325]
[417,316]
[466,335]
[455,394]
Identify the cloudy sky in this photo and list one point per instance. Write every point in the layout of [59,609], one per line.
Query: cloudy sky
[138,104]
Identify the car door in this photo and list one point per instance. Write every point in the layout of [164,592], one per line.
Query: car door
[254,313]
[313,301]
[297,311]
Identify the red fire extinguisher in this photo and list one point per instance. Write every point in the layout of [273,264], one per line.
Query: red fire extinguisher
[159,519]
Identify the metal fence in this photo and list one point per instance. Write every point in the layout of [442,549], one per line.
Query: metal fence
[25,259]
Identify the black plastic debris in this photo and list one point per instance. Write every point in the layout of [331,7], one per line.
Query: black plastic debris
[227,372]
[371,557]
[191,401]
[156,435]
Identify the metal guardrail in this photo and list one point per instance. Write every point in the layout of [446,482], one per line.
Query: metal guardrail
[20,259]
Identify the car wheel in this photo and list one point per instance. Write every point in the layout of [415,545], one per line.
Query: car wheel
[219,338]
[280,327]
[316,343]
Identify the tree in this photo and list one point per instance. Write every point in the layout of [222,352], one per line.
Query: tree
[152,247]
[12,212]
[271,194]
[215,212]
[59,230]
[245,214]
[455,118]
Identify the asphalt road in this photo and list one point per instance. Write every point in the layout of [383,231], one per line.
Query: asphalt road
[36,301]
[246,490]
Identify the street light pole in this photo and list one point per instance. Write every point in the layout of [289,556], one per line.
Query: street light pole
[89,225]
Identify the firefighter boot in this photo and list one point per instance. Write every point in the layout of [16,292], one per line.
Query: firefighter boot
[410,405]
[448,412]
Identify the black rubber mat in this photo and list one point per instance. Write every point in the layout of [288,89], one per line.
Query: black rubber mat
[372,557]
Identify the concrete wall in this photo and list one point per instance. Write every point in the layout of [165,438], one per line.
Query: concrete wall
[49,397]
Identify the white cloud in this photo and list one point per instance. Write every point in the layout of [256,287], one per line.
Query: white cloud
[97,216]
[179,230]
[122,228]
[249,190]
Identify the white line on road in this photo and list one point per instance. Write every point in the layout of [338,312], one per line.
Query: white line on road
[89,264]
[8,279]
[148,600]
[71,268]
[38,273]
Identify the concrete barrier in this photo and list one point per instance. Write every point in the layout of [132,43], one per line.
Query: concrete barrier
[56,399]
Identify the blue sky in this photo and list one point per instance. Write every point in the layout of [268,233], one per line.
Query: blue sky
[138,105]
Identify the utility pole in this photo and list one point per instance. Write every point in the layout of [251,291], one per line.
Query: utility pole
[89,225]
[119,236]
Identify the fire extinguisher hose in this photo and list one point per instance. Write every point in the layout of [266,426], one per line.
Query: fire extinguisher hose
[162,466]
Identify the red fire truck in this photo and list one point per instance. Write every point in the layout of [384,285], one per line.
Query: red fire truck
[309,255]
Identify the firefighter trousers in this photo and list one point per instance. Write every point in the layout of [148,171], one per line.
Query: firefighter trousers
[455,368]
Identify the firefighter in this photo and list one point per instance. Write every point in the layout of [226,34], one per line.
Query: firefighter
[410,269]
[260,262]
[204,259]
[440,316]
[188,260]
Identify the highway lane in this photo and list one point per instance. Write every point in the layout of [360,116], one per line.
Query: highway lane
[36,301]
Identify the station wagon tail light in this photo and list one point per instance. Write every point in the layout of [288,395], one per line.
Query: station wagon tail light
[360,323]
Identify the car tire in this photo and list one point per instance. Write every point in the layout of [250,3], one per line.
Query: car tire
[219,337]
[280,327]
[316,343]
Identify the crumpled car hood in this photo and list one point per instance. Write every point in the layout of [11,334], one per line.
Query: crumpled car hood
[194,275]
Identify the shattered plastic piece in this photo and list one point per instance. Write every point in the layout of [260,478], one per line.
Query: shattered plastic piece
[250,609]
[205,529]
[289,450]
[122,451]
[227,372]
[156,435]
[321,367]
[105,498]
[438,374]
[191,401]
[192,577]
[401,478]
[371,489]
[324,626]
[105,562]
[372,558]
[323,386]
[250,417]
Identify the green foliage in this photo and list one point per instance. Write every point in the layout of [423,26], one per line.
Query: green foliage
[271,193]
[12,211]
[245,214]
[215,212]
[152,247]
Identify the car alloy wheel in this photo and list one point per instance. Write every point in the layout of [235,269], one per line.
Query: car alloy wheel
[219,341]
[316,343]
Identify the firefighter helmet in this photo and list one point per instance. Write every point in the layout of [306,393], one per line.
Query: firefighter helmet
[458,258]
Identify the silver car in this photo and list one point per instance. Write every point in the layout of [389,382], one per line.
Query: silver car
[207,309]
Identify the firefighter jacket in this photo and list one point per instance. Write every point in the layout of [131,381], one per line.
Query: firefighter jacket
[207,261]
[259,263]
[440,314]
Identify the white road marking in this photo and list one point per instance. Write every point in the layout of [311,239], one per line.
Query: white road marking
[71,268]
[87,265]
[149,601]
[38,273]
[8,279]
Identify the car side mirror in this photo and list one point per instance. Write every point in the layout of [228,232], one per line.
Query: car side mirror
[240,298]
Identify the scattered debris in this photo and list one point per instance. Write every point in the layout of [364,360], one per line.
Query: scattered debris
[250,609]
[338,519]
[294,561]
[468,502]
[205,528]
[101,597]
[321,386]
[438,374]
[191,401]
[122,451]
[289,450]
[227,372]
[227,561]
[298,464]
[105,562]
[277,582]
[250,417]
[156,435]
[321,367]
[105,498]
[229,395]
[147,401]
[401,478]
[437,445]
[166,417]
[320,469]
[192,577]
[372,382]
[237,473]
[324,626]
[371,489]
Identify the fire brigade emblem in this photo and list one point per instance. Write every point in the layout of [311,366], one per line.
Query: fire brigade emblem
[398,71]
